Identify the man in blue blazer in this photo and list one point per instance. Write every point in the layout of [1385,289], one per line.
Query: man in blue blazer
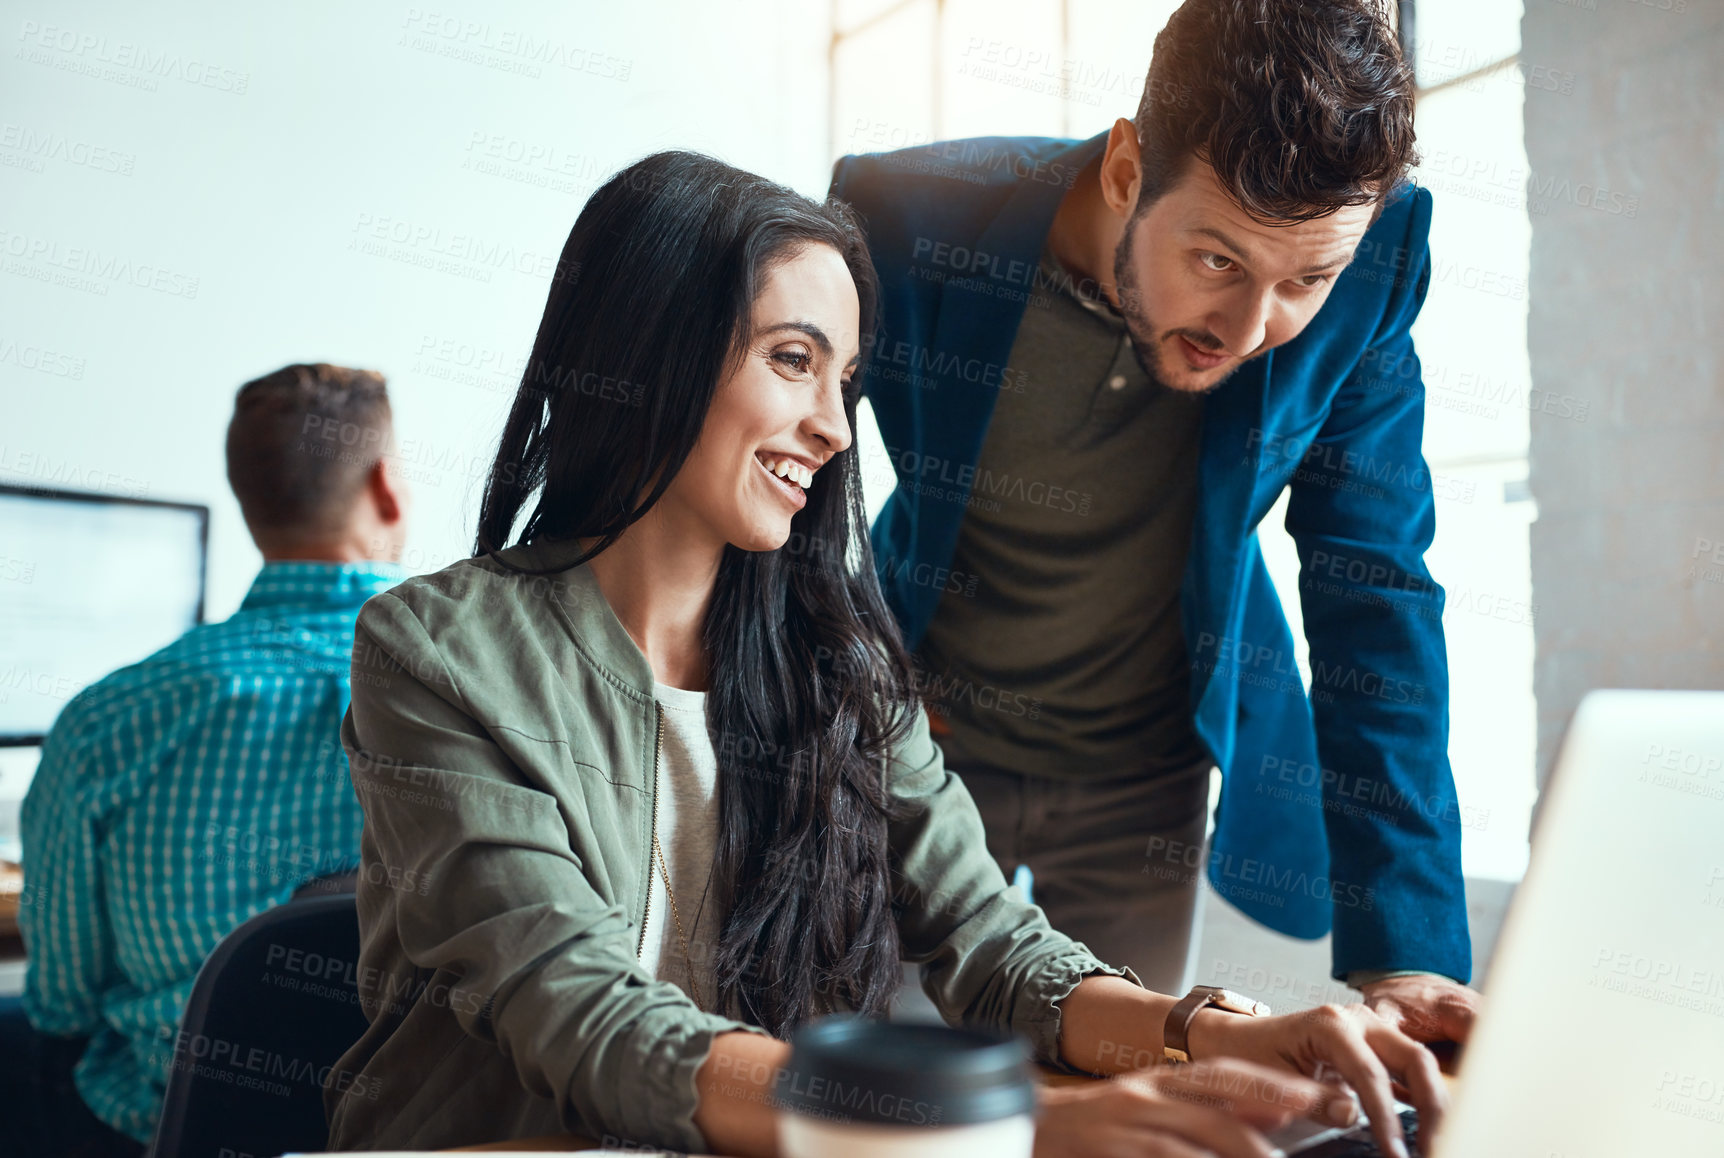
[1099,364]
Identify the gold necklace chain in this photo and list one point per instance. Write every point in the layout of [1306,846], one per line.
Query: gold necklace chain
[664,873]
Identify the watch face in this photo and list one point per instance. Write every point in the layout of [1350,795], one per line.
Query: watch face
[1239,1003]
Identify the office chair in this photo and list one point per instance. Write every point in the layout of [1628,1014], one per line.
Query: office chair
[270,1012]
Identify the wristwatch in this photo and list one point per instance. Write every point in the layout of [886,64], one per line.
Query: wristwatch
[1173,1040]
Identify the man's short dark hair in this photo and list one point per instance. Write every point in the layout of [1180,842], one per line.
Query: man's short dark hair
[1300,106]
[301,444]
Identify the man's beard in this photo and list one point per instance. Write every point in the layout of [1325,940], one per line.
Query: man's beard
[1134,311]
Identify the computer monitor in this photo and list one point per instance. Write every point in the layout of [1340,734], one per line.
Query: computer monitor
[88,583]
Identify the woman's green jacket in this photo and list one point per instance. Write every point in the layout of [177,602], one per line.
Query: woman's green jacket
[501,739]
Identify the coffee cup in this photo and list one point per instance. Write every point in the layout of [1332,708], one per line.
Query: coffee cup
[856,1087]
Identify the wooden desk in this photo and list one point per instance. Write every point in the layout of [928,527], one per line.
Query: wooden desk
[1046,1076]
[11,893]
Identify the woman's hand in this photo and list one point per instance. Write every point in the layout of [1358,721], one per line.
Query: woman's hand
[1374,1057]
[1187,1111]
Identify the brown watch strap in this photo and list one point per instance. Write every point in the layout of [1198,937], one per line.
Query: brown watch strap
[1175,1043]
[1175,1040]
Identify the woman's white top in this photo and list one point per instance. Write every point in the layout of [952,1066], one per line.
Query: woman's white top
[688,835]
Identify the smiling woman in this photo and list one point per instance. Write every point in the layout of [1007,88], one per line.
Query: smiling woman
[738,305]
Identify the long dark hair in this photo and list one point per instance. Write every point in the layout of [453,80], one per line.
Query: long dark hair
[811,686]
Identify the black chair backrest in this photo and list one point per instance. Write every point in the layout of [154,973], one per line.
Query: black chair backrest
[271,1011]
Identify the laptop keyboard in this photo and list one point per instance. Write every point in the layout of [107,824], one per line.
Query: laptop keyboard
[1358,1143]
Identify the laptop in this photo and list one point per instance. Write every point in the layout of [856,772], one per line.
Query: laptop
[1602,1035]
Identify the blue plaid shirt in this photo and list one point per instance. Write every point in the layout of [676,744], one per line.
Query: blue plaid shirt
[176,799]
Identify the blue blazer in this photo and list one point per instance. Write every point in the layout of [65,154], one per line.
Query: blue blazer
[1338,807]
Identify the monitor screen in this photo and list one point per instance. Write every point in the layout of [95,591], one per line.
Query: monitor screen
[88,583]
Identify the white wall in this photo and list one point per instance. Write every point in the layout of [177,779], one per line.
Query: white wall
[261,153]
[1626,299]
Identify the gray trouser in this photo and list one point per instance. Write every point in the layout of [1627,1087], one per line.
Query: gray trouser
[1087,845]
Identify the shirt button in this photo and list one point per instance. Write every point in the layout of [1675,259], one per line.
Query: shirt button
[1117,382]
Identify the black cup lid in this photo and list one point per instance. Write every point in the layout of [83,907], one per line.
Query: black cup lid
[852,1069]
